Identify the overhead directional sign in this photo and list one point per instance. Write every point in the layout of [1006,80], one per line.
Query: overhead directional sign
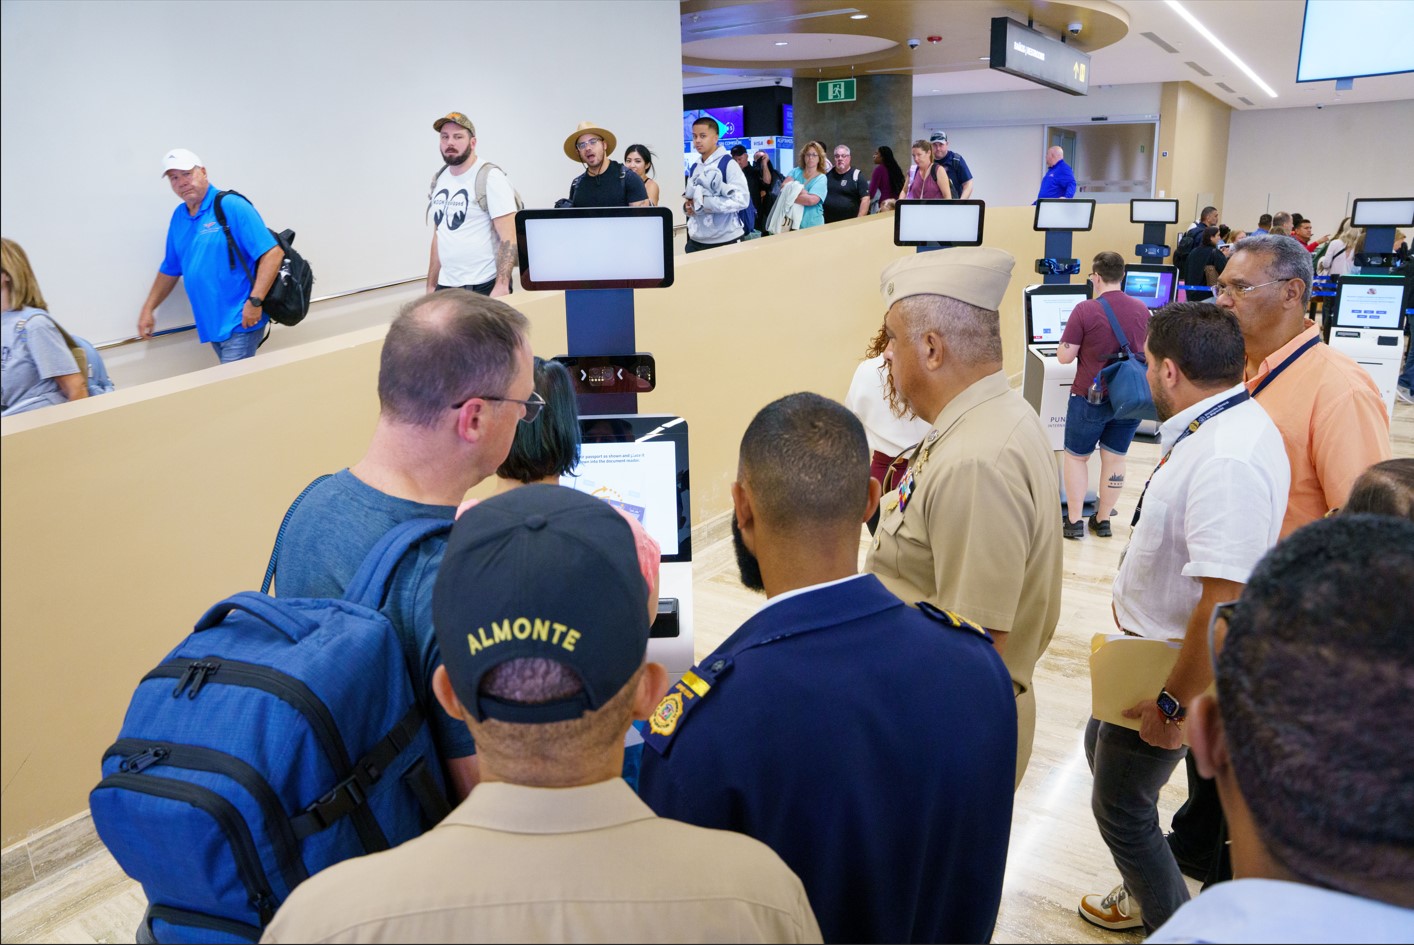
[834,90]
[1031,55]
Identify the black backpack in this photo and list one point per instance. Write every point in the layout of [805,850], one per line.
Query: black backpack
[1186,244]
[287,301]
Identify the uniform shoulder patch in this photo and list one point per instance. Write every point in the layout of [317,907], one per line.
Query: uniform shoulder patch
[685,695]
[948,618]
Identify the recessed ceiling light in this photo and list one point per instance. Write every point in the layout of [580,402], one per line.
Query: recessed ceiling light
[984,58]
[783,44]
[1218,45]
[859,16]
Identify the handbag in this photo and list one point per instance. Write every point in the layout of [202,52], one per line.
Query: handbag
[1127,379]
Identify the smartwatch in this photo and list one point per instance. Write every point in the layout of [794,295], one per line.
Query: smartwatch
[1171,708]
[255,300]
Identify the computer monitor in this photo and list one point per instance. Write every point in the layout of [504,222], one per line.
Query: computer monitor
[598,248]
[1153,211]
[1155,286]
[956,222]
[1369,302]
[638,463]
[1057,214]
[1382,211]
[1048,308]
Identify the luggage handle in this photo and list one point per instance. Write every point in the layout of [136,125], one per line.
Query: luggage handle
[370,585]
[263,608]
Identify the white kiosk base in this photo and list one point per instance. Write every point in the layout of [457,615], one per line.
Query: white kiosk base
[1380,351]
[1045,383]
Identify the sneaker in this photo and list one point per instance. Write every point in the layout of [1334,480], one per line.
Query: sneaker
[1404,395]
[1098,528]
[1074,530]
[1114,911]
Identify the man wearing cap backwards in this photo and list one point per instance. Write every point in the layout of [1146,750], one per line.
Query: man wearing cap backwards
[542,615]
[770,734]
[225,303]
[972,527]
[604,183]
[454,381]
[473,247]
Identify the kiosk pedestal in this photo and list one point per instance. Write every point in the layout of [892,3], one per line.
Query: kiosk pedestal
[1380,351]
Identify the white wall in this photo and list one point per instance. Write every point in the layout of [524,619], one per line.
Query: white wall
[1315,161]
[319,110]
[1002,135]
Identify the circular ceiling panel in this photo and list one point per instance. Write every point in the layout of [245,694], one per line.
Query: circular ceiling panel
[784,47]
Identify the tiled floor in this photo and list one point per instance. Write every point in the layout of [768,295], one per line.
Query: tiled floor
[1056,853]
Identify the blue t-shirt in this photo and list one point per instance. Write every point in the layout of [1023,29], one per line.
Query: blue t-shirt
[196,251]
[1058,182]
[34,354]
[872,746]
[330,534]
[820,187]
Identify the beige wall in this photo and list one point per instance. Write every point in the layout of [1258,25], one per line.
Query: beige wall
[125,516]
[1193,129]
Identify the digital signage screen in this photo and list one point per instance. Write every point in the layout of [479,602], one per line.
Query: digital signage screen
[731,122]
[1346,39]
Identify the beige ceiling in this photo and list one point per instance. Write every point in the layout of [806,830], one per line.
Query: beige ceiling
[724,45]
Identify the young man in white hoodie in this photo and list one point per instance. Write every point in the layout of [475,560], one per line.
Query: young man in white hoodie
[716,192]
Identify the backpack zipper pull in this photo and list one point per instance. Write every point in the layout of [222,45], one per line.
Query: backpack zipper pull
[204,671]
[185,679]
[144,759]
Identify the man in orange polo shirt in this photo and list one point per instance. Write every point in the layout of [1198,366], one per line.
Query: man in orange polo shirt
[1327,407]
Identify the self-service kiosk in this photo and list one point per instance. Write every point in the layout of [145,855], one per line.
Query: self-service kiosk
[1045,382]
[636,462]
[1368,325]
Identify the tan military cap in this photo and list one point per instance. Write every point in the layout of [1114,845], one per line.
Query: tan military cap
[977,275]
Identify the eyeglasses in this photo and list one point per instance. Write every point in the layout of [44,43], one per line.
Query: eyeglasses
[587,143]
[533,406]
[1240,291]
[1223,612]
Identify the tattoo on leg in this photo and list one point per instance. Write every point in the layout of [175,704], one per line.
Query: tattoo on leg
[1117,479]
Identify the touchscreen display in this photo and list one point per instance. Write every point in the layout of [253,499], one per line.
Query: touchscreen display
[1049,313]
[638,477]
[1154,289]
[1370,304]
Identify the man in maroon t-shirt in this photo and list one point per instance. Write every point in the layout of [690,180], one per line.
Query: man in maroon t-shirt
[1089,340]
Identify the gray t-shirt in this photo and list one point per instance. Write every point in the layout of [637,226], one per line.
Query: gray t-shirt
[34,354]
[330,534]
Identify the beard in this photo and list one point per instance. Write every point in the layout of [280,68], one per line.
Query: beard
[1162,405]
[457,160]
[746,562]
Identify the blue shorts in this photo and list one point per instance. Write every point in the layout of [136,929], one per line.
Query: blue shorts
[1087,424]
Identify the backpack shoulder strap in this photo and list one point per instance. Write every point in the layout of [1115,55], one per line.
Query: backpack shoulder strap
[722,165]
[574,185]
[1114,326]
[233,252]
[76,349]
[486,168]
[370,585]
[280,535]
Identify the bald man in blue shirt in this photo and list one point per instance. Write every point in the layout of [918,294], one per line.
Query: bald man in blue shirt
[1060,179]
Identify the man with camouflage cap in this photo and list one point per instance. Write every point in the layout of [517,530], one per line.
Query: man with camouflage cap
[473,206]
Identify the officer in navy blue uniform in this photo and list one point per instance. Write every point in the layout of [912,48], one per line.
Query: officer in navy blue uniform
[870,744]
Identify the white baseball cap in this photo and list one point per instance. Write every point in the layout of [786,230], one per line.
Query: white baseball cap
[180,159]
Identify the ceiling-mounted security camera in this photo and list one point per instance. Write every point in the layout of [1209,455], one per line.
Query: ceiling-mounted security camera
[1074,28]
[778,81]
[914,43]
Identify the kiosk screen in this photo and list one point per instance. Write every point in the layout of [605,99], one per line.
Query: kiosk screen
[1369,302]
[599,248]
[1152,285]
[1048,311]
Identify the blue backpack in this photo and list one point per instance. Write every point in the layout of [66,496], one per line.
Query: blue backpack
[281,737]
[747,216]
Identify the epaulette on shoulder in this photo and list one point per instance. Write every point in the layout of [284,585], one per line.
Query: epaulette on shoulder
[685,695]
[950,619]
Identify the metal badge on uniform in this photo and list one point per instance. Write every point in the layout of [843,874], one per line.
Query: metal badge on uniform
[665,721]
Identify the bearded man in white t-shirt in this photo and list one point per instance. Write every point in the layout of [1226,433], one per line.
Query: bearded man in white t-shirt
[473,247]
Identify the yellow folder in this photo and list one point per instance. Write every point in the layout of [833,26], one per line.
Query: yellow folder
[1125,671]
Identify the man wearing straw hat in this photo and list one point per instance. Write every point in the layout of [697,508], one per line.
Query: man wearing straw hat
[604,183]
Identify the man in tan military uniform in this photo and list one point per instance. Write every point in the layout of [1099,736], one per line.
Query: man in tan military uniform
[972,527]
[541,612]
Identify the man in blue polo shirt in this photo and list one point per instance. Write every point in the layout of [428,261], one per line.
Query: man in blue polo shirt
[959,174]
[872,745]
[226,305]
[1059,180]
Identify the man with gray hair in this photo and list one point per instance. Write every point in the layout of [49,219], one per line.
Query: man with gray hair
[454,380]
[848,195]
[972,527]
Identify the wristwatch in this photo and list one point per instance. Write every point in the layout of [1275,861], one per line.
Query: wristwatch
[255,300]
[1172,709]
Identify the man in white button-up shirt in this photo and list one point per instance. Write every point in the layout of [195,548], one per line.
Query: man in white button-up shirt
[1210,510]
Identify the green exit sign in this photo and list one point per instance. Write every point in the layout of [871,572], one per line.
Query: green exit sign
[834,90]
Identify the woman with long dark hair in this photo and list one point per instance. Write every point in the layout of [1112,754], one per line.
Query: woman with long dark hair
[639,159]
[887,182]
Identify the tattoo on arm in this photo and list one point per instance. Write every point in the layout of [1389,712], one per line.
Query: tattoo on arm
[505,259]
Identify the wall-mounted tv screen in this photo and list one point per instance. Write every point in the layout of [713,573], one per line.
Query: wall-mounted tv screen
[731,122]
[788,120]
[1344,39]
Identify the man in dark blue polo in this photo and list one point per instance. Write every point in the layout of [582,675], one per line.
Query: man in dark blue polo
[959,174]
[870,744]
[1059,180]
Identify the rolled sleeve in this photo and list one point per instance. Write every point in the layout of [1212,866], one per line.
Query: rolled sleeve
[1228,520]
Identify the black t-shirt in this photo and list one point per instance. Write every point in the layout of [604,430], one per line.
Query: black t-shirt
[616,187]
[845,192]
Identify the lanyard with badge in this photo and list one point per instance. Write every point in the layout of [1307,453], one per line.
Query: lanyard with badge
[1192,428]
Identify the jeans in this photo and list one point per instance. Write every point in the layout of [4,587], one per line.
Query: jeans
[240,345]
[1129,773]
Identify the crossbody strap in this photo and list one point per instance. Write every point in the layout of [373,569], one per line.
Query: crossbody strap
[1114,327]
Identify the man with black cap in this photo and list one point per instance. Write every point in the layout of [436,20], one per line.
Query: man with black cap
[604,183]
[959,174]
[906,750]
[972,527]
[473,206]
[541,611]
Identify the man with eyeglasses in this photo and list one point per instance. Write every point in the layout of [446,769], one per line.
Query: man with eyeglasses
[1209,511]
[1308,746]
[1327,407]
[848,195]
[604,183]
[454,380]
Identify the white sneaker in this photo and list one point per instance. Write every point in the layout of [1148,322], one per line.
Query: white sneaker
[1114,910]
[1403,394]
